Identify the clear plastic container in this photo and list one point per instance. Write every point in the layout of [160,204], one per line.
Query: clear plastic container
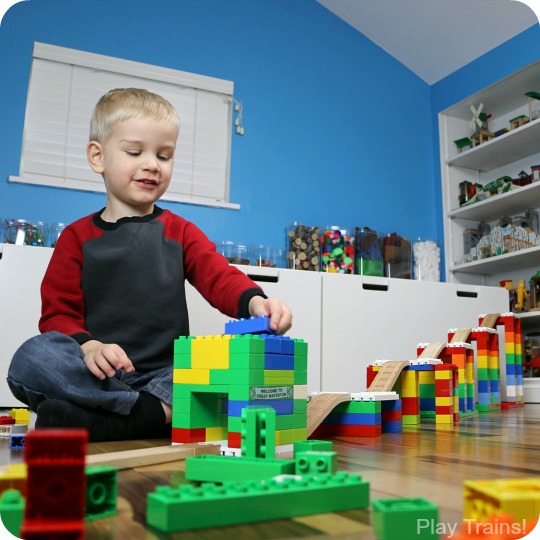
[427,260]
[368,252]
[471,237]
[23,233]
[234,253]
[532,217]
[337,251]
[55,231]
[397,256]
[265,256]
[303,247]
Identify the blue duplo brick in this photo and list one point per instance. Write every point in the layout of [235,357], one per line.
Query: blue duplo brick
[281,406]
[278,361]
[354,419]
[278,344]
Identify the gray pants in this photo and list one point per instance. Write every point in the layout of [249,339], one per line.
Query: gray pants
[51,366]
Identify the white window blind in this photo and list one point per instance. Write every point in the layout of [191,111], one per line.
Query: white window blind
[64,87]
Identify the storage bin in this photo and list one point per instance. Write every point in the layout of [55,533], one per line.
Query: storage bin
[397,256]
[303,247]
[337,251]
[368,252]
[427,260]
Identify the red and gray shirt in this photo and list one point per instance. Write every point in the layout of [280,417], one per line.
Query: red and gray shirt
[124,283]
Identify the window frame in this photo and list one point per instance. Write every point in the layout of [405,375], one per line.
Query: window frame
[211,88]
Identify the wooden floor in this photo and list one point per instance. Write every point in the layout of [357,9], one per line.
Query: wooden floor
[423,462]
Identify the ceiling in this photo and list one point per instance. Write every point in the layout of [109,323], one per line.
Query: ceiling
[434,38]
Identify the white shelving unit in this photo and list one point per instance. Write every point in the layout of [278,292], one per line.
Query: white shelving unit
[531,385]
[506,155]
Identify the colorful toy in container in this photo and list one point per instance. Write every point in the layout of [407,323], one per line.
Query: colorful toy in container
[337,251]
[368,249]
[397,257]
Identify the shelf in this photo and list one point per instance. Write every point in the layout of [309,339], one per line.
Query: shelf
[507,204]
[501,263]
[512,146]
[530,316]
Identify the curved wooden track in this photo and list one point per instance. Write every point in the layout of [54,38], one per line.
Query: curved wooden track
[320,406]
[432,350]
[387,376]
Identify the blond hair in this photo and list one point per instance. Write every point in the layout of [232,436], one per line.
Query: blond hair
[123,104]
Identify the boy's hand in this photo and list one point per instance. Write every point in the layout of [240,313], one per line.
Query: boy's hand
[279,313]
[103,359]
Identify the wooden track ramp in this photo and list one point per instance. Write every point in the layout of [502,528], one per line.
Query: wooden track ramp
[461,335]
[320,406]
[388,375]
[432,350]
[490,320]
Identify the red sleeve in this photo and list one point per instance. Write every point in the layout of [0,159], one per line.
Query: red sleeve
[222,285]
[62,302]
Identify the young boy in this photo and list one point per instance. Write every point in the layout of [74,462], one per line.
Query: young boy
[113,296]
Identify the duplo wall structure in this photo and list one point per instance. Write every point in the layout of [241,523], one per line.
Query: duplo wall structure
[215,377]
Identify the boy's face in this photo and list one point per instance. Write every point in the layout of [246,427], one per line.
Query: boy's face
[136,163]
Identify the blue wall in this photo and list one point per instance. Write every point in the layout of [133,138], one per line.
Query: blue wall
[337,131]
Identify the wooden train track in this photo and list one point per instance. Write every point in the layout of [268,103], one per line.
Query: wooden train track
[432,350]
[387,376]
[461,335]
[490,320]
[320,406]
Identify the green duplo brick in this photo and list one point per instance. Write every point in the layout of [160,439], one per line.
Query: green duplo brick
[12,511]
[188,507]
[300,363]
[300,377]
[312,446]
[482,374]
[300,406]
[427,390]
[239,392]
[181,361]
[406,519]
[246,361]
[182,345]
[101,491]
[209,468]
[246,344]
[300,348]
[284,421]
[359,407]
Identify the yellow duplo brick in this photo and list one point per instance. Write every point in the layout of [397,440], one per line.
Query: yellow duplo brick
[286,436]
[517,497]
[210,352]
[426,377]
[409,392]
[444,401]
[216,434]
[444,418]
[278,376]
[21,416]
[443,375]
[191,376]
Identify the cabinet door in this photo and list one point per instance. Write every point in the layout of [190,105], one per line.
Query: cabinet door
[366,319]
[300,290]
[21,271]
